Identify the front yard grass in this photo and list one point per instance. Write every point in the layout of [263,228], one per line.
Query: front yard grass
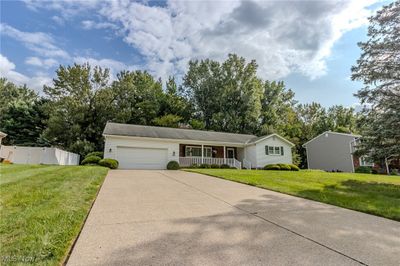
[42,210]
[374,194]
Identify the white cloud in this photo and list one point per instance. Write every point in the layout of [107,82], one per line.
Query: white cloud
[44,63]
[59,20]
[90,24]
[39,42]
[7,70]
[283,36]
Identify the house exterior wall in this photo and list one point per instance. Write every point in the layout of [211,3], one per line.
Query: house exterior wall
[250,155]
[113,142]
[330,152]
[38,155]
[264,159]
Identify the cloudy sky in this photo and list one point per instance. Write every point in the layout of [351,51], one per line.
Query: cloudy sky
[311,45]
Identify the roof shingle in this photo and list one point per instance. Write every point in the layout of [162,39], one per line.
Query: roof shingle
[174,133]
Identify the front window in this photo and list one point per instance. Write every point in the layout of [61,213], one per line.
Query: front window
[194,151]
[273,150]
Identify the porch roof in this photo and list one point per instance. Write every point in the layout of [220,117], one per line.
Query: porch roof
[174,133]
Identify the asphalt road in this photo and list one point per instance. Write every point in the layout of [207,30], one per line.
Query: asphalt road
[179,218]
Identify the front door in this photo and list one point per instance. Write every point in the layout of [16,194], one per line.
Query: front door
[230,153]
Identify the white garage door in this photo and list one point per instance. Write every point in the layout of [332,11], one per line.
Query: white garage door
[141,158]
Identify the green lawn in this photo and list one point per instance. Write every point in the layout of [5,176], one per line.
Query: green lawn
[374,194]
[42,210]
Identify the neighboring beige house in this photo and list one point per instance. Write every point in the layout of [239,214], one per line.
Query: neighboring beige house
[333,151]
[2,136]
[147,147]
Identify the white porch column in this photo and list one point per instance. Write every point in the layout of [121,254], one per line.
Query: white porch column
[202,153]
[224,155]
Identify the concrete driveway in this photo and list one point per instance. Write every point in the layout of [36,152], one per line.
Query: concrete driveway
[180,218]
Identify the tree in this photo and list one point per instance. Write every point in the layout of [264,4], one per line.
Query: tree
[10,93]
[341,119]
[276,107]
[79,107]
[174,104]
[137,98]
[379,69]
[21,115]
[225,96]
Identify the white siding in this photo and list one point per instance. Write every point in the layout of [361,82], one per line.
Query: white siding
[250,154]
[263,159]
[112,143]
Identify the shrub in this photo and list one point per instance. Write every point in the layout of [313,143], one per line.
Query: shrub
[225,166]
[394,172]
[284,167]
[108,162]
[204,165]
[91,160]
[374,171]
[294,167]
[272,167]
[95,153]
[173,165]
[214,166]
[363,169]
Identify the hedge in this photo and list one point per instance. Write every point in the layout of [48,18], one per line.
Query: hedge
[272,167]
[363,169]
[91,160]
[108,162]
[95,153]
[284,167]
[173,165]
[294,167]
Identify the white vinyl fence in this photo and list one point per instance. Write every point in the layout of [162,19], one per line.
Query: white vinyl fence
[38,155]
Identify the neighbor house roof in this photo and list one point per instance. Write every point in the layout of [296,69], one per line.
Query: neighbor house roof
[174,133]
[2,134]
[332,132]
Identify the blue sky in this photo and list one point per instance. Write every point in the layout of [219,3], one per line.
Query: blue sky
[311,45]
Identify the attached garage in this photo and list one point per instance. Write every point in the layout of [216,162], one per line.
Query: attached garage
[141,158]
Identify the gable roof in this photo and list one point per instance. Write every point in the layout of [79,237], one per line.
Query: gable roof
[118,129]
[2,134]
[332,132]
[258,139]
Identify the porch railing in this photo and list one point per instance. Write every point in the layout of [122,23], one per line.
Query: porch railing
[189,161]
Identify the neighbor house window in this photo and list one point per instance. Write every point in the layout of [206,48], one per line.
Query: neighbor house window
[273,150]
[194,151]
[366,161]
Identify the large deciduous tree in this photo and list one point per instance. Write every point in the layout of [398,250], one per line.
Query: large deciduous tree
[379,69]
[78,108]
[22,115]
[137,98]
[226,96]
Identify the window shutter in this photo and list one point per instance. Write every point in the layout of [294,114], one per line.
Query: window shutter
[266,150]
[282,150]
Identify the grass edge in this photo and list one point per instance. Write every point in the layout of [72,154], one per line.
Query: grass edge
[293,195]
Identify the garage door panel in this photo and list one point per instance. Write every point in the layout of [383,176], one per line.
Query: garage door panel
[141,158]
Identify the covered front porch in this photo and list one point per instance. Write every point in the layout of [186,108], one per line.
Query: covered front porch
[195,154]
